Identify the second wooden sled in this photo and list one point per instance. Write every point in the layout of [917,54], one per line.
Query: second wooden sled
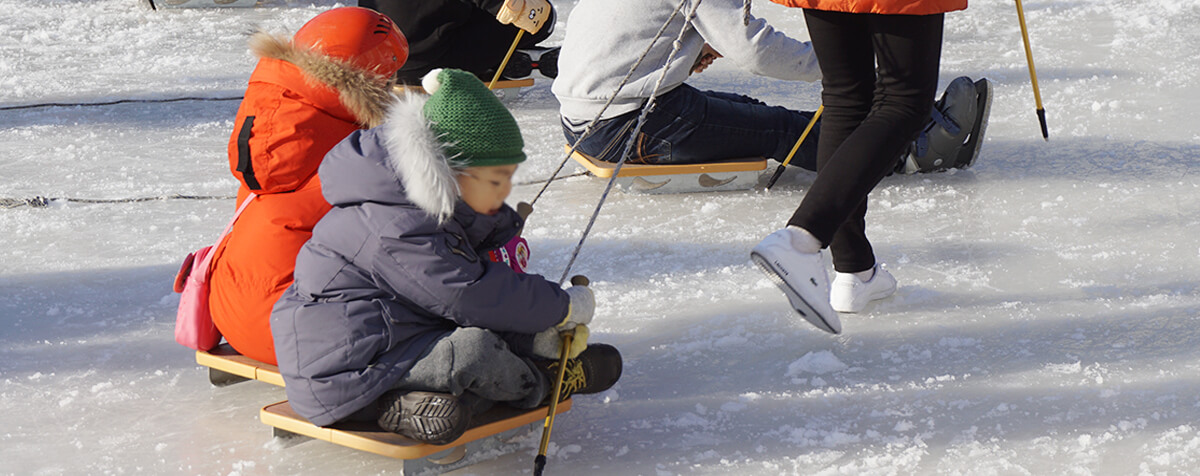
[505,89]
[227,367]
[488,433]
[737,174]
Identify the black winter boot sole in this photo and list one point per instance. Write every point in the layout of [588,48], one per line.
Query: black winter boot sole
[970,151]
[428,417]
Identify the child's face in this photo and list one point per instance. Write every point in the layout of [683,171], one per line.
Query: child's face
[485,188]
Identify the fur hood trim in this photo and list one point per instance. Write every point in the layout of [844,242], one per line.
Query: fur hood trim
[365,94]
[416,156]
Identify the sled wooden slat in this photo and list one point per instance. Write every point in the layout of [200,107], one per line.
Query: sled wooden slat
[224,360]
[733,174]
[604,169]
[502,84]
[367,436]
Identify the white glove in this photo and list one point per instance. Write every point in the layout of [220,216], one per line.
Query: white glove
[582,307]
[528,15]
[548,343]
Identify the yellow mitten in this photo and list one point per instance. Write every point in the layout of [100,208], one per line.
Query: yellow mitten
[579,343]
[548,343]
[528,15]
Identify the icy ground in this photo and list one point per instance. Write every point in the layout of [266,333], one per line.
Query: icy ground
[1046,321]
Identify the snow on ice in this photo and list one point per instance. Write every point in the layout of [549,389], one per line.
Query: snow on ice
[1046,320]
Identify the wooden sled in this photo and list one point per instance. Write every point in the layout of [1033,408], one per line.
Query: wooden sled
[227,367]
[505,89]
[489,432]
[165,4]
[737,174]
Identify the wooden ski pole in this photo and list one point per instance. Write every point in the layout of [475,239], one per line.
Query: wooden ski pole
[1037,94]
[539,463]
[811,122]
[507,56]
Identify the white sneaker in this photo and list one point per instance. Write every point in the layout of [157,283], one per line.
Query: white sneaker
[850,294]
[801,276]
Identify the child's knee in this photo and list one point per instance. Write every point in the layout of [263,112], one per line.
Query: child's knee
[475,346]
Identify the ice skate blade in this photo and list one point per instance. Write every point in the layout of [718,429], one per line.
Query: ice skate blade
[970,151]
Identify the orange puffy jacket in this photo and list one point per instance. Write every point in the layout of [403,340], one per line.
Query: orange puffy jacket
[289,118]
[886,7]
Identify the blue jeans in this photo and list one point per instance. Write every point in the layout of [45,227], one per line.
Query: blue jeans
[689,126]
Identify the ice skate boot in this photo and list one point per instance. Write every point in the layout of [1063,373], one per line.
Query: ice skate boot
[545,60]
[520,65]
[949,139]
[524,62]
[970,150]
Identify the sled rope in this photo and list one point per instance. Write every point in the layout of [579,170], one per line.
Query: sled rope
[41,202]
[675,47]
[587,131]
[118,101]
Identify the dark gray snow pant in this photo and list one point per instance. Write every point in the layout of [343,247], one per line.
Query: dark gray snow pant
[477,362]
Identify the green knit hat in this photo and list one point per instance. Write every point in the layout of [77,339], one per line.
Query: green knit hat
[473,126]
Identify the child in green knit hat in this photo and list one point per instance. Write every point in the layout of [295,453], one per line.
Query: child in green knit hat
[396,314]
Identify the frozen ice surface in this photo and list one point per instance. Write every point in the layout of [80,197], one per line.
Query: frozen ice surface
[1045,321]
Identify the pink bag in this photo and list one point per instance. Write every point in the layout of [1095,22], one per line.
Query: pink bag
[194,326]
[515,254]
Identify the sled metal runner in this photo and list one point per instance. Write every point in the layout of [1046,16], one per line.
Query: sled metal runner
[227,367]
[488,433]
[734,174]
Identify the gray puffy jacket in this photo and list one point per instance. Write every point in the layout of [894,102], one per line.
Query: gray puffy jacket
[383,278]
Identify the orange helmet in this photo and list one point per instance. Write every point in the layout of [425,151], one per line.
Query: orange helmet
[364,37]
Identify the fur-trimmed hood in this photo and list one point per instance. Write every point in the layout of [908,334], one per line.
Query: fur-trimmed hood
[364,94]
[400,163]
[416,156]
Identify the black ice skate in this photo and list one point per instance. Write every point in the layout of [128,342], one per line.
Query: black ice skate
[954,134]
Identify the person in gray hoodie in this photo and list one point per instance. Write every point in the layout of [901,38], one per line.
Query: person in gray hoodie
[395,314]
[606,37]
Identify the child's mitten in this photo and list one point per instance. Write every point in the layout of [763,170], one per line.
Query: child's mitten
[548,343]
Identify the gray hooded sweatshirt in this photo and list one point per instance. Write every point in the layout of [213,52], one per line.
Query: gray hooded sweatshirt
[399,262]
[606,37]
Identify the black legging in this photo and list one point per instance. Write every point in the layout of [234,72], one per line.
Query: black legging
[870,114]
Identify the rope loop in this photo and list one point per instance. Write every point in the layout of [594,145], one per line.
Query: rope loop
[675,47]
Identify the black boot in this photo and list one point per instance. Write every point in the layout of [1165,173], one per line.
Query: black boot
[952,137]
[520,65]
[970,150]
[428,417]
[595,370]
[547,62]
